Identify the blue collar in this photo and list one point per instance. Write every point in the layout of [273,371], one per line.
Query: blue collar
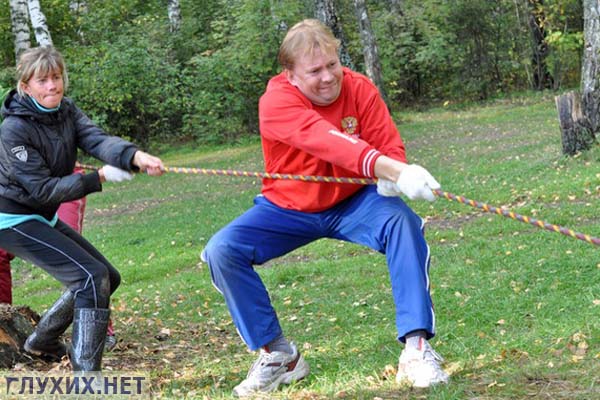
[42,108]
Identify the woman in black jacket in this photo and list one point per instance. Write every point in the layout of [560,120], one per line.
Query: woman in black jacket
[39,138]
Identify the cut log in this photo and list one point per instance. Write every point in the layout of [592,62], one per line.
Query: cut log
[577,136]
[16,324]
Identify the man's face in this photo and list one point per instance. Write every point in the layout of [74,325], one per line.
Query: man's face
[318,76]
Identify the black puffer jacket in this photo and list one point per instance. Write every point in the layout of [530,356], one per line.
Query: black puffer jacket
[38,153]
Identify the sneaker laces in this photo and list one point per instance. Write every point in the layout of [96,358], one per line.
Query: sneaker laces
[434,360]
[265,358]
[430,355]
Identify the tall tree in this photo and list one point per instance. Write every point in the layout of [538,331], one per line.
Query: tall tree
[38,22]
[537,16]
[590,72]
[19,18]
[372,63]
[326,12]
[578,115]
[174,12]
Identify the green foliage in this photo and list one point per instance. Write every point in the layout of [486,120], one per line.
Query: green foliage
[225,82]
[7,48]
[202,83]
[130,87]
[3,93]
[436,51]
[565,38]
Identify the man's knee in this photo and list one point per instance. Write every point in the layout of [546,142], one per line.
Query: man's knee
[222,253]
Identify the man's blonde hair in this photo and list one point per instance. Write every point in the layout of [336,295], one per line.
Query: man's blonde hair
[304,38]
[40,61]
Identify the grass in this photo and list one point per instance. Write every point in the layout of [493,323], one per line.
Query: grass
[516,306]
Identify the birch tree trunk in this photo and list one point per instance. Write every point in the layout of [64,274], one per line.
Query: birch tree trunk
[578,114]
[19,19]
[38,22]
[590,70]
[325,12]
[372,63]
[174,11]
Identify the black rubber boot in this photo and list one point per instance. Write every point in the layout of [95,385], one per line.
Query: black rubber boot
[44,341]
[89,333]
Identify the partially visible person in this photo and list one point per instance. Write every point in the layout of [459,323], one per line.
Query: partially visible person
[5,277]
[72,212]
[319,118]
[39,137]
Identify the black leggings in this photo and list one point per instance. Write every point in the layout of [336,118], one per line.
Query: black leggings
[67,256]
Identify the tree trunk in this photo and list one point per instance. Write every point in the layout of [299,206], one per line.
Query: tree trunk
[16,324]
[19,18]
[576,134]
[372,63]
[38,22]
[326,13]
[578,116]
[174,11]
[590,71]
[541,76]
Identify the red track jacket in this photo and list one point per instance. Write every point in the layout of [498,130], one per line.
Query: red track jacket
[343,140]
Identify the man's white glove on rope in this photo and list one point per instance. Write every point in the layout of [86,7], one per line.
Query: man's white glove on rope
[114,174]
[387,188]
[414,182]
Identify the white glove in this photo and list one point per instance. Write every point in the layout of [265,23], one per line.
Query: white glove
[387,188]
[114,174]
[416,183]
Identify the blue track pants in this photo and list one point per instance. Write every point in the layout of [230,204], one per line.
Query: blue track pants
[266,231]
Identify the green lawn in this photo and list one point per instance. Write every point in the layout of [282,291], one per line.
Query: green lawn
[517,306]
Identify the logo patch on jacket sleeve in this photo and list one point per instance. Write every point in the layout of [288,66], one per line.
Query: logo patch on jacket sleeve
[20,152]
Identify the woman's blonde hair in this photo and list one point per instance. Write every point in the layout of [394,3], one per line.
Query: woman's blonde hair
[304,38]
[40,61]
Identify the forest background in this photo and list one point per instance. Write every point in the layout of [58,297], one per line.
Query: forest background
[193,74]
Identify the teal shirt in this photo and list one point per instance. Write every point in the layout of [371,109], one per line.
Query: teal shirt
[10,220]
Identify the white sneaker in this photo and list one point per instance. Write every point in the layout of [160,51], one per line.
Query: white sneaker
[421,367]
[271,370]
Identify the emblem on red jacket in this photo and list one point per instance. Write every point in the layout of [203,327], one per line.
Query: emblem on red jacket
[349,125]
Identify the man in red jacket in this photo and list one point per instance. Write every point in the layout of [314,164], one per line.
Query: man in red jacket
[319,118]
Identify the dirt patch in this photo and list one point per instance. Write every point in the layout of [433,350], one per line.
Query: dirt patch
[454,223]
